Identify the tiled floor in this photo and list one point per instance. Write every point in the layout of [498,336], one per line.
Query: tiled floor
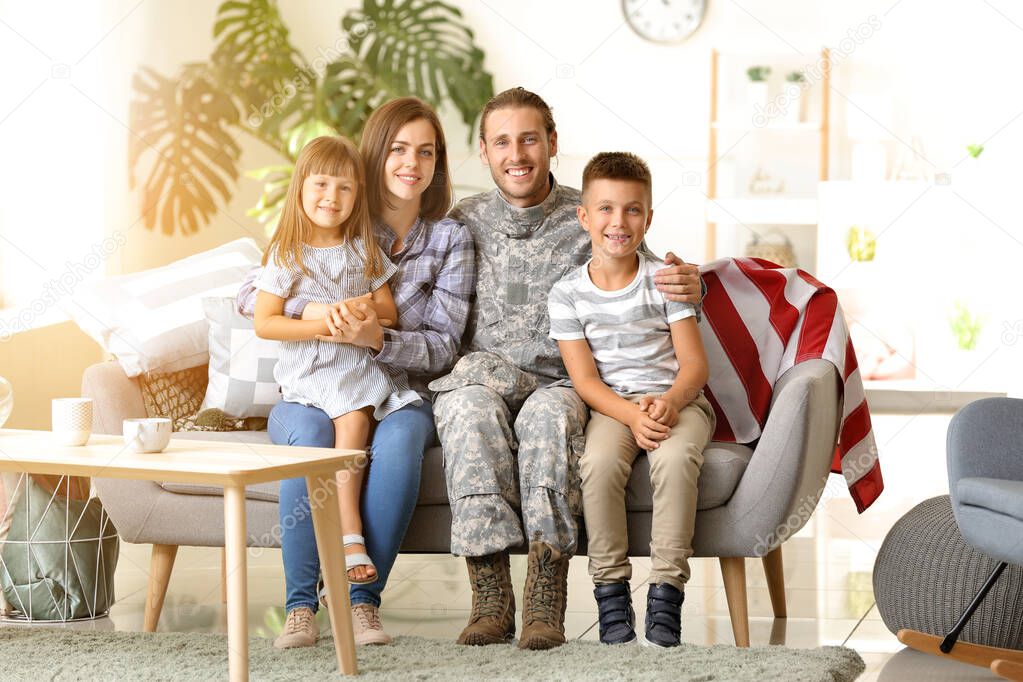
[828,568]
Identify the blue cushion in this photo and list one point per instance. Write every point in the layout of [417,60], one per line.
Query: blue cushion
[996,494]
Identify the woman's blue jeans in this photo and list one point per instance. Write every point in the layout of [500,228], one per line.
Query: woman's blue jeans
[388,498]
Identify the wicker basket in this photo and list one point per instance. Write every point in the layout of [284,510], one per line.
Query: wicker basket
[773,246]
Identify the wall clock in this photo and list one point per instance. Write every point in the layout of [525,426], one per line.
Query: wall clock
[664,21]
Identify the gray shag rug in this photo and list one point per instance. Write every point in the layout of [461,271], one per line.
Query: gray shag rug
[61,654]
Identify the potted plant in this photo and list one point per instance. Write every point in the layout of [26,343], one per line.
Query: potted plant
[966,361]
[756,89]
[795,102]
[860,244]
[257,83]
[965,326]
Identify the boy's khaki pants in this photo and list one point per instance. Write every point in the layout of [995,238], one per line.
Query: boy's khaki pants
[605,467]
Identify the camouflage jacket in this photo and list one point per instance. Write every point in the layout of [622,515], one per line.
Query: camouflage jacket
[520,254]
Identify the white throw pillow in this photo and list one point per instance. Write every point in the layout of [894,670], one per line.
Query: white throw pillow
[153,320]
[241,364]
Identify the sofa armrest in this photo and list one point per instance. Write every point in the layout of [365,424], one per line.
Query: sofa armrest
[788,471]
[115,397]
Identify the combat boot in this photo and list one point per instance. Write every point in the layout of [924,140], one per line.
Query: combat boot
[544,598]
[493,601]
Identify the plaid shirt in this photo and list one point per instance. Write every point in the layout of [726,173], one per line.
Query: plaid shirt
[432,290]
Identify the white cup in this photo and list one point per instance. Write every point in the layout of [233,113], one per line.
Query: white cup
[151,434]
[71,420]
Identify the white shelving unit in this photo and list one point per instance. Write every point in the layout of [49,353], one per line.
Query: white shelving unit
[769,210]
[773,211]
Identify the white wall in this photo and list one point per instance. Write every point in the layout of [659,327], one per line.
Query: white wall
[941,71]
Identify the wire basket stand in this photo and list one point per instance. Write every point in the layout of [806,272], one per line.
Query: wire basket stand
[84,561]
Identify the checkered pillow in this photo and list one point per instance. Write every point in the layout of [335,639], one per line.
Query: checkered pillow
[241,364]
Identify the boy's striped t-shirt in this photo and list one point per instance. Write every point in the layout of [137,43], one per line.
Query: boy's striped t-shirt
[627,330]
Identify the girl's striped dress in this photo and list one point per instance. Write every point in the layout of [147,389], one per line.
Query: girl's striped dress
[336,377]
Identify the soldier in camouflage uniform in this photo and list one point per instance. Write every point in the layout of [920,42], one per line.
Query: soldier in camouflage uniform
[510,424]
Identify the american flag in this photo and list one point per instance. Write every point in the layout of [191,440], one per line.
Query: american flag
[761,320]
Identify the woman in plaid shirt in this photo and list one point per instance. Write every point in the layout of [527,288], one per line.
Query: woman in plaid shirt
[409,191]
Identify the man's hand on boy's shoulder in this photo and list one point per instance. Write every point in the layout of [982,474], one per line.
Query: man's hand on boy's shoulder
[679,281]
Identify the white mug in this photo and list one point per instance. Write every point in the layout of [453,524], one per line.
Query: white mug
[71,420]
[150,434]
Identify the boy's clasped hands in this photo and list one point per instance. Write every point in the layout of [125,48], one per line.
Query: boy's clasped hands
[653,420]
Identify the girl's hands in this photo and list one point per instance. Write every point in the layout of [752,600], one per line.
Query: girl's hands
[647,431]
[660,409]
[355,321]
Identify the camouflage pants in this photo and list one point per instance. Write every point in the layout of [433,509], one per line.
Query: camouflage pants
[491,454]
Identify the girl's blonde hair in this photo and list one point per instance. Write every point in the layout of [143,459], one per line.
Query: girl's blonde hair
[335,156]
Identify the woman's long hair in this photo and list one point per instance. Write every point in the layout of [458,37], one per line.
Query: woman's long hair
[381,129]
[335,156]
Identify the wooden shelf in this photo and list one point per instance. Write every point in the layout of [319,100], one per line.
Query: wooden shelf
[912,396]
[762,211]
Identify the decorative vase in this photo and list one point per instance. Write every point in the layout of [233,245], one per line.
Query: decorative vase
[6,400]
[795,107]
[756,100]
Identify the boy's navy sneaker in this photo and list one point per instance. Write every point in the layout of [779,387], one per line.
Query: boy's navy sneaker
[663,616]
[615,614]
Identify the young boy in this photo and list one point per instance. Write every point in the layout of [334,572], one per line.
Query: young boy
[638,362]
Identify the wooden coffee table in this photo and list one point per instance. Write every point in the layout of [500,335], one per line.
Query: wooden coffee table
[233,466]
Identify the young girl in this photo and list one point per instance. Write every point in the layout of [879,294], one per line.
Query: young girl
[324,250]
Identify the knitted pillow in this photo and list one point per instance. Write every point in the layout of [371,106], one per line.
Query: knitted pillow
[173,394]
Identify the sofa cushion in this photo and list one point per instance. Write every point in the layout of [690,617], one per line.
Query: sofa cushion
[433,487]
[723,466]
[995,494]
[153,320]
[241,369]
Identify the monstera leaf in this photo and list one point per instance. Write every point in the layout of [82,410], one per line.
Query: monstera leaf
[257,82]
[275,181]
[253,52]
[342,98]
[421,47]
[183,125]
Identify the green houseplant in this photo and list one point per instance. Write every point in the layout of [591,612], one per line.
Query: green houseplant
[756,90]
[184,152]
[965,326]
[758,74]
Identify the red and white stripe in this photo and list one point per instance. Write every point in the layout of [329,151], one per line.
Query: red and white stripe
[761,320]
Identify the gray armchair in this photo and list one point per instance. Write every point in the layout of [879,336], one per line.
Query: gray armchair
[751,498]
[985,479]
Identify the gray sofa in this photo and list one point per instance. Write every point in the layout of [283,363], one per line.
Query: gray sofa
[749,495]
